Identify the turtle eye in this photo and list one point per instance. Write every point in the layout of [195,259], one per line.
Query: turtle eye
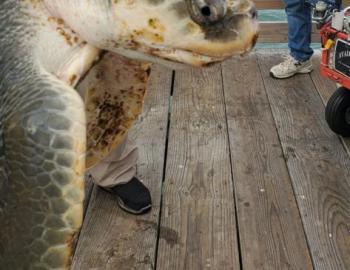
[206,12]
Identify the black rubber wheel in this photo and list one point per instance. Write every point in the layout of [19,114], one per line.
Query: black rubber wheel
[338,112]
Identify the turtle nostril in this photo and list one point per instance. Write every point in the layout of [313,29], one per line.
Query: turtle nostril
[253,12]
[206,11]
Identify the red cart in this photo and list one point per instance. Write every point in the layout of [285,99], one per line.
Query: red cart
[335,65]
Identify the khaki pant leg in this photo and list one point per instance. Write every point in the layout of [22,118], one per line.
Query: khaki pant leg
[118,167]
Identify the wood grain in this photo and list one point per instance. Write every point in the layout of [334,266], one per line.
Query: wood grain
[269,4]
[270,228]
[277,32]
[111,238]
[324,86]
[198,228]
[318,165]
[88,191]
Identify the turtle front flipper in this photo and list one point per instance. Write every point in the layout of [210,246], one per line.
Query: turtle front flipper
[42,162]
[114,91]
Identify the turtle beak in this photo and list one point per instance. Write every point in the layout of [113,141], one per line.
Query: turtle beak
[227,31]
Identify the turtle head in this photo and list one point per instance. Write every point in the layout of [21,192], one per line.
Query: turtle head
[194,32]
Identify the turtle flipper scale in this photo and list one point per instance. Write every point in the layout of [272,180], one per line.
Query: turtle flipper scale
[42,162]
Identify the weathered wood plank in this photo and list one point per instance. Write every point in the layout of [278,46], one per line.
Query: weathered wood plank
[111,238]
[270,228]
[269,4]
[325,88]
[198,228]
[88,191]
[277,32]
[318,165]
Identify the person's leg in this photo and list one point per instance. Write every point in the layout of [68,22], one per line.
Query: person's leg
[299,39]
[118,167]
[116,174]
[299,29]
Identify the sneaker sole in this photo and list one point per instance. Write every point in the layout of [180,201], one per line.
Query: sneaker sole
[131,211]
[304,71]
[123,206]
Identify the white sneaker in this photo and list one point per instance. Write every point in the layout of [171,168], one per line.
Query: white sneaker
[289,67]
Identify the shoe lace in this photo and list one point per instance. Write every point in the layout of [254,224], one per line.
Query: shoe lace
[288,61]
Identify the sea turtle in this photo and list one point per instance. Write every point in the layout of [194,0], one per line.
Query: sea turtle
[46,48]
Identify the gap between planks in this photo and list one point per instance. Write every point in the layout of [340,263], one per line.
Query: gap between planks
[164,169]
[317,163]
[270,228]
[198,209]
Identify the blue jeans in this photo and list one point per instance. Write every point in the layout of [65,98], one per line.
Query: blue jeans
[299,28]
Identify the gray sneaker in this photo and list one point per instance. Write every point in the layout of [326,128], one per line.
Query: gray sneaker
[289,67]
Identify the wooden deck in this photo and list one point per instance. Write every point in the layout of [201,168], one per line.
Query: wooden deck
[244,174]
